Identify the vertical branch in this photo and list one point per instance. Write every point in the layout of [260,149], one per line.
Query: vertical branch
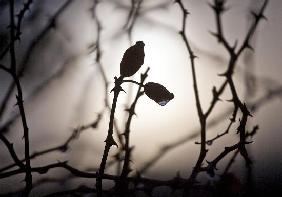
[109,140]
[104,76]
[202,117]
[123,185]
[18,32]
[22,67]
[219,7]
[19,96]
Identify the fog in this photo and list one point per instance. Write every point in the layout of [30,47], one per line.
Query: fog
[64,89]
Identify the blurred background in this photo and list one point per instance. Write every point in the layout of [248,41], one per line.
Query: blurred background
[63,46]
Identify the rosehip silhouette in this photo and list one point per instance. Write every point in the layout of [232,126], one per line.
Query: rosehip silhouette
[132,59]
[158,93]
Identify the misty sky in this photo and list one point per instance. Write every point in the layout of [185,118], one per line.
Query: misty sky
[76,94]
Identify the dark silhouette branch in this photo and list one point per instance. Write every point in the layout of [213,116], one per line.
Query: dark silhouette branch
[201,115]
[23,66]
[20,16]
[12,152]
[62,147]
[19,97]
[175,182]
[109,140]
[122,186]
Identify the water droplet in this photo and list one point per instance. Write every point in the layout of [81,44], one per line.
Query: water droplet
[209,142]
[163,103]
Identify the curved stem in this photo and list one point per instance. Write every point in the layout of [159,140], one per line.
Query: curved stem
[135,82]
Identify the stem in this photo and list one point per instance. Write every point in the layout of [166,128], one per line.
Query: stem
[28,176]
[136,82]
[122,186]
[201,115]
[109,140]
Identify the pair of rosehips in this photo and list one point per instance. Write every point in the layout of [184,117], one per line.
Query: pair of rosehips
[131,62]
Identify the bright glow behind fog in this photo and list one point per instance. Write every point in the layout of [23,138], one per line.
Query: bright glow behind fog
[167,57]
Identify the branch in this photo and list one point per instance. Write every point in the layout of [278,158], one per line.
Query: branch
[201,115]
[19,97]
[176,182]
[62,147]
[23,66]
[122,186]
[20,16]
[109,140]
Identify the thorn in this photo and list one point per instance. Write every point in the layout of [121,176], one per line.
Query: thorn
[222,74]
[254,14]
[214,91]
[264,17]
[181,33]
[212,6]
[246,110]
[131,148]
[248,46]
[130,111]
[117,88]
[214,34]
[230,100]
[186,12]
[232,119]
[250,142]
[110,140]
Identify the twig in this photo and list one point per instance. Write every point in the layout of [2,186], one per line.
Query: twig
[20,16]
[122,186]
[30,50]
[105,79]
[19,96]
[62,147]
[175,182]
[13,154]
[78,191]
[232,160]
[201,115]
[109,140]
[219,8]
[254,106]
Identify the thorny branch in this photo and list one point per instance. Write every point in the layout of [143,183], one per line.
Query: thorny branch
[201,115]
[219,8]
[20,16]
[32,47]
[123,184]
[13,72]
[62,147]
[239,106]
[97,47]
[109,140]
